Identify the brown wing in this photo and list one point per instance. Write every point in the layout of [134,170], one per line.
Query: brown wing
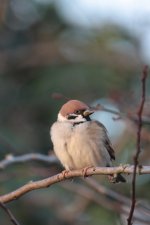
[107,142]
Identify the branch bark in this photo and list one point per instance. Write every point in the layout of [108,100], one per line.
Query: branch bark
[33,185]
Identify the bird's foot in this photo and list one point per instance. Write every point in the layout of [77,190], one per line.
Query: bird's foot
[124,165]
[84,171]
[116,178]
[64,173]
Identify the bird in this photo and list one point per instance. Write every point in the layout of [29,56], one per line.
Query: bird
[80,142]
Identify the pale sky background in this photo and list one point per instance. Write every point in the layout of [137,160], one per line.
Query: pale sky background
[134,15]
[115,127]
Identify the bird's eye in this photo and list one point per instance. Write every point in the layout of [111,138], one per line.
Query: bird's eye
[78,112]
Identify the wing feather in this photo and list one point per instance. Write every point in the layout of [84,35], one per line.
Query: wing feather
[106,140]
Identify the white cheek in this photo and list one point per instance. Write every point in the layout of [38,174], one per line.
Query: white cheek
[79,118]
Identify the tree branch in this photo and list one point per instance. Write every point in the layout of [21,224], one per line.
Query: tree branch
[71,174]
[10,159]
[138,149]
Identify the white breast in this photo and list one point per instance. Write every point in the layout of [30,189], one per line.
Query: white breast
[60,135]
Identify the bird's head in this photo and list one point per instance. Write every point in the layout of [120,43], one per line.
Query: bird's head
[75,111]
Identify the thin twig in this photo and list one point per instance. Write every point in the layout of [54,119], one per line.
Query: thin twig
[136,157]
[121,115]
[9,213]
[70,174]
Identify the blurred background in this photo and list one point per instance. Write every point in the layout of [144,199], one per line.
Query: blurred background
[89,50]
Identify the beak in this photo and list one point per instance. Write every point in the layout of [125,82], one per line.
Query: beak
[88,112]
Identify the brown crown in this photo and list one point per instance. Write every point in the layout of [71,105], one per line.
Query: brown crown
[71,106]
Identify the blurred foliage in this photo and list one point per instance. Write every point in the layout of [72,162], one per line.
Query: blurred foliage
[40,54]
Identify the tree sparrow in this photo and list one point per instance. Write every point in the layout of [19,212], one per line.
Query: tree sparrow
[80,142]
